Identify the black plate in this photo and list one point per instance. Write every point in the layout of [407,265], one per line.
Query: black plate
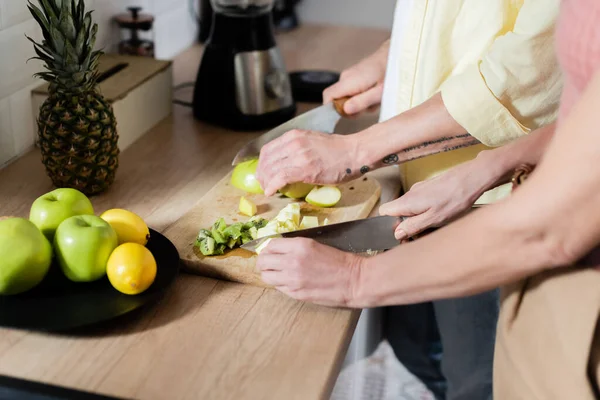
[58,304]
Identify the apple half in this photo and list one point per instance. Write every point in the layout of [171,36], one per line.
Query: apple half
[324,196]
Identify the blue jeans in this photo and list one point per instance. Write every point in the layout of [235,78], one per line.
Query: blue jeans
[448,344]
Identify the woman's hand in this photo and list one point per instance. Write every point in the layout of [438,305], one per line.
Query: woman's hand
[309,157]
[363,82]
[309,271]
[437,201]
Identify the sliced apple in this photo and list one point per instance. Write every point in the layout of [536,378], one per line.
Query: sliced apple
[296,190]
[291,212]
[309,222]
[247,207]
[324,196]
[268,230]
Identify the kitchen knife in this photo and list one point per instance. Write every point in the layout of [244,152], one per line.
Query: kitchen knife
[359,236]
[322,119]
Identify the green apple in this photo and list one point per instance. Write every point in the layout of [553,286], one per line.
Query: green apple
[324,196]
[296,190]
[25,256]
[49,210]
[83,244]
[244,177]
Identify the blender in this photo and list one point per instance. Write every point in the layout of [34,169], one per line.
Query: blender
[242,82]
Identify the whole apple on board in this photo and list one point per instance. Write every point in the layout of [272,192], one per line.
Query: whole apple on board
[85,245]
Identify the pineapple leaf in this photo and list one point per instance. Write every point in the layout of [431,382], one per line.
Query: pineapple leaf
[79,45]
[70,56]
[50,10]
[81,11]
[74,13]
[67,26]
[58,40]
[65,7]
[41,20]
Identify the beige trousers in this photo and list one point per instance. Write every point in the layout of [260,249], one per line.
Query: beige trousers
[548,337]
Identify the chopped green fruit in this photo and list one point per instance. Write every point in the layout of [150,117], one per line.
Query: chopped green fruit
[324,196]
[219,238]
[296,190]
[233,231]
[207,246]
[204,233]
[220,225]
[246,237]
[267,231]
[232,243]
[223,236]
[220,249]
[253,232]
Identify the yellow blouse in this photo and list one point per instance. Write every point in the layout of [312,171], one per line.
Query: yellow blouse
[494,63]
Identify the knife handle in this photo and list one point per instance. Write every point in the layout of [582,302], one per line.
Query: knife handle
[339,106]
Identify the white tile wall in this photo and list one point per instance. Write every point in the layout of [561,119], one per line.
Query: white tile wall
[174,30]
[366,13]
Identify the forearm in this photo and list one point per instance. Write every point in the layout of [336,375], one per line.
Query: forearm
[499,164]
[476,253]
[419,132]
[552,220]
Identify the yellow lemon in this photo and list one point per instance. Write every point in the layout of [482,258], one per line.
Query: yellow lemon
[131,268]
[129,226]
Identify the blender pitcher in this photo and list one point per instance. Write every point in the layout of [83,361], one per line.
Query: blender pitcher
[242,81]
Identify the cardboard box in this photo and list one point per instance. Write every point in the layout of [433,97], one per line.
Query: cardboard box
[140,90]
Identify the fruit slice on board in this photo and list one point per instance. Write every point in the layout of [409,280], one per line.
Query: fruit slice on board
[247,207]
[309,221]
[324,196]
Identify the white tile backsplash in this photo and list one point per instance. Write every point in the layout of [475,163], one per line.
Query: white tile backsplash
[174,30]
[13,12]
[7,146]
[22,123]
[16,71]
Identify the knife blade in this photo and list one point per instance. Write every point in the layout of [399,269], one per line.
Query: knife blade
[359,236]
[322,119]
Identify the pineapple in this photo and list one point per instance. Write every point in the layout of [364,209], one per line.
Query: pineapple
[77,130]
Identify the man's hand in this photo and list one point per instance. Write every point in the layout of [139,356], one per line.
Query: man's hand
[363,83]
[309,157]
[309,271]
[437,201]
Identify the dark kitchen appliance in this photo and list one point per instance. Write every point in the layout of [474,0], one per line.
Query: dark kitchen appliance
[284,15]
[242,81]
[132,24]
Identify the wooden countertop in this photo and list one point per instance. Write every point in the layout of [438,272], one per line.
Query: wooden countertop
[206,339]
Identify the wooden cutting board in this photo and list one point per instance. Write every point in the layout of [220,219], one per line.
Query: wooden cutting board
[358,199]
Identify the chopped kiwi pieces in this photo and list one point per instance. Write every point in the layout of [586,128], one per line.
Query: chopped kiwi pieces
[253,232]
[207,246]
[220,225]
[232,243]
[221,236]
[204,233]
[234,231]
